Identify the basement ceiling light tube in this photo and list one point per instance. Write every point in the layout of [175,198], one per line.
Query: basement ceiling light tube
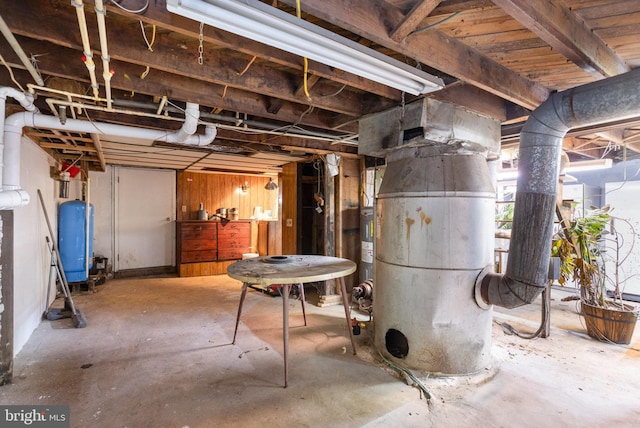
[266,24]
[589,165]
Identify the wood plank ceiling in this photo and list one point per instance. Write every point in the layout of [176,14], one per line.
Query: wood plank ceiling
[501,58]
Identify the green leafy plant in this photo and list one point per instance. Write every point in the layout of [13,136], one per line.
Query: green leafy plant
[504,216]
[579,246]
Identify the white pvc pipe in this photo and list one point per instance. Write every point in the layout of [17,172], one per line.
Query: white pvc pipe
[101,12]
[13,131]
[86,46]
[192,115]
[4,28]
[11,194]
[25,100]
[10,197]
[87,219]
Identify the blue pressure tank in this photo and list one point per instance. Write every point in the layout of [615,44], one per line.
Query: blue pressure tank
[72,239]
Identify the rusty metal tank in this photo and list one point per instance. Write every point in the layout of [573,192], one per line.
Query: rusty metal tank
[434,235]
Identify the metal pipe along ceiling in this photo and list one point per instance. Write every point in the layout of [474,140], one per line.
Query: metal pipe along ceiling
[599,102]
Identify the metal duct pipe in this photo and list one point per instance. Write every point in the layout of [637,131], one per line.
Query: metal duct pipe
[615,98]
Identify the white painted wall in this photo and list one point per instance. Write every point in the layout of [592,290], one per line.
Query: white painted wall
[101,195]
[32,260]
[31,255]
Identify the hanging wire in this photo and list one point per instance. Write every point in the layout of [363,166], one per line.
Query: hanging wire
[336,92]
[409,376]
[435,24]
[137,12]
[153,36]
[11,73]
[546,311]
[305,83]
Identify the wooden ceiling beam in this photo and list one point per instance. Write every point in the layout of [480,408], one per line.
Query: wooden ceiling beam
[583,148]
[126,82]
[180,57]
[420,10]
[98,145]
[374,19]
[563,30]
[63,146]
[157,14]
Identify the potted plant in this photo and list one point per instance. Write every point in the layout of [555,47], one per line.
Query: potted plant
[583,246]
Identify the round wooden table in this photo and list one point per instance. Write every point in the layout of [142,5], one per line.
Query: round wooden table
[288,271]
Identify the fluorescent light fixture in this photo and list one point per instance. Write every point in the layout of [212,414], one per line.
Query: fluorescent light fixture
[579,166]
[589,165]
[507,174]
[269,25]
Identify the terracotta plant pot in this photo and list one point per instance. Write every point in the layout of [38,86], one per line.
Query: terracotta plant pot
[609,324]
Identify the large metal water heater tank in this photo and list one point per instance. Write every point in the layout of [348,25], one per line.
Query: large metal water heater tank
[434,235]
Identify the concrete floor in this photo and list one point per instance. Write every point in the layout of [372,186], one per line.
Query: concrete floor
[157,353]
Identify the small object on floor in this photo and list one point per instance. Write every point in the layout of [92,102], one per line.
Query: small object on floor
[355,326]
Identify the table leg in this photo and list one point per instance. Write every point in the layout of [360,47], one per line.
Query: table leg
[345,302]
[304,313]
[242,296]
[285,327]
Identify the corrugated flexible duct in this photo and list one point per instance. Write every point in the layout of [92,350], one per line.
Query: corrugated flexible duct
[613,99]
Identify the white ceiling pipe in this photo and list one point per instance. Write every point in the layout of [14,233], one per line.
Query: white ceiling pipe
[11,196]
[12,133]
[101,12]
[86,46]
[4,28]
[192,115]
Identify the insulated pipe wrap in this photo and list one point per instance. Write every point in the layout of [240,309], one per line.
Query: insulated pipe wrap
[613,99]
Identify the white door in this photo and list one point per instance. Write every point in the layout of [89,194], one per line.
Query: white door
[144,218]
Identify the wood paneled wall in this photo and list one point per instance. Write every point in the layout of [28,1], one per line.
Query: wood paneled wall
[291,208]
[223,191]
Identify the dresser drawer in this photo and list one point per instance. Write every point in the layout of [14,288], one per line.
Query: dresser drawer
[198,232]
[233,242]
[232,253]
[234,234]
[199,244]
[198,256]
[234,226]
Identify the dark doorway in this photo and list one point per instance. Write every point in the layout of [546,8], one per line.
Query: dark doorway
[313,212]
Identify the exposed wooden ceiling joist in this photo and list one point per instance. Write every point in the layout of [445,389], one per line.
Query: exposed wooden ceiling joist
[499,59]
[566,32]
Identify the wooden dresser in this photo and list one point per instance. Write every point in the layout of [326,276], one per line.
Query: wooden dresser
[208,247]
[234,240]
